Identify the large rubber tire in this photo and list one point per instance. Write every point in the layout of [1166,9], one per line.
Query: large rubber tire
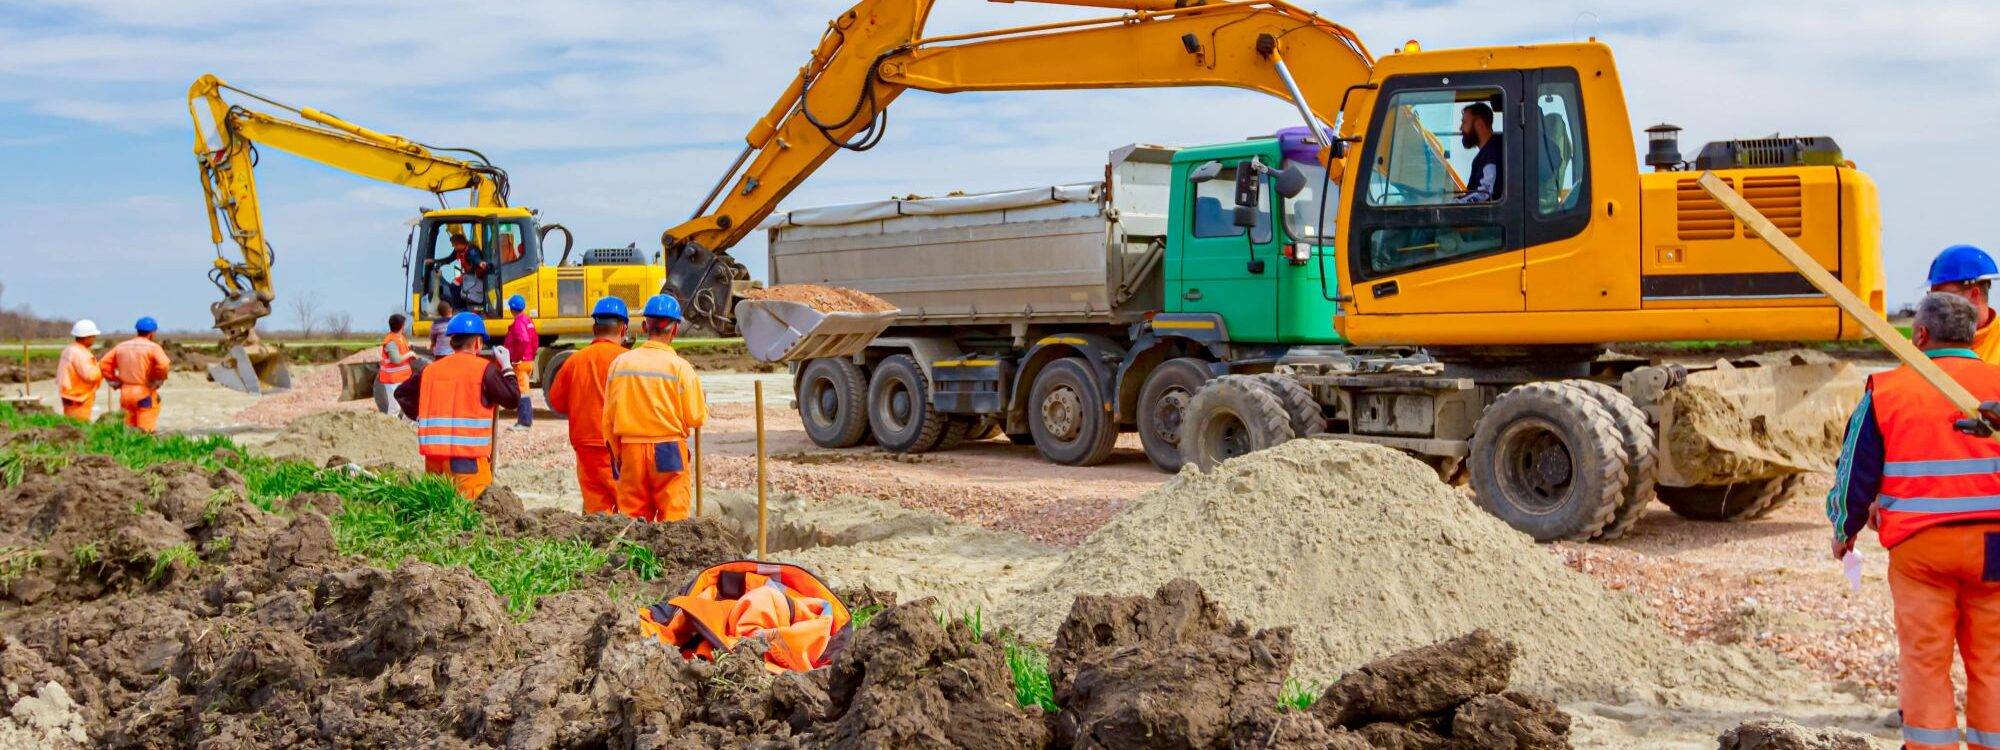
[555,365]
[1300,406]
[1066,414]
[1642,456]
[1547,459]
[900,415]
[956,430]
[833,402]
[1163,401]
[1739,501]
[1021,438]
[1231,416]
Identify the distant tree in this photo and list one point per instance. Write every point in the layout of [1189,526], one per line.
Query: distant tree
[305,309]
[338,324]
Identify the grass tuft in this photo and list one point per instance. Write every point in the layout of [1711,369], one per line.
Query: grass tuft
[1299,696]
[163,561]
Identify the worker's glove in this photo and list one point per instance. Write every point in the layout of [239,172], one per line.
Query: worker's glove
[506,360]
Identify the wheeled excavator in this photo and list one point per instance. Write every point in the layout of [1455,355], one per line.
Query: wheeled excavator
[1466,330]
[511,239]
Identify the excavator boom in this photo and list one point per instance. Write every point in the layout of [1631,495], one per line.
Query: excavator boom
[876,50]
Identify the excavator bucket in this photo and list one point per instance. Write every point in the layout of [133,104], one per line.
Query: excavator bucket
[1754,419]
[256,371]
[786,331]
[357,380]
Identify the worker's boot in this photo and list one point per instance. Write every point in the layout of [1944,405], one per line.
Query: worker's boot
[525,414]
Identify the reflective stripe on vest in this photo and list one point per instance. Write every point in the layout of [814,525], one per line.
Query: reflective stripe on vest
[451,421]
[1933,474]
[391,371]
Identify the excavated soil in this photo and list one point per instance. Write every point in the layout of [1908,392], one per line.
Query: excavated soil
[823,298]
[362,436]
[1722,432]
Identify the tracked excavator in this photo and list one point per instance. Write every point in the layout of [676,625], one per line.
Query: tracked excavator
[1391,305]
[510,238]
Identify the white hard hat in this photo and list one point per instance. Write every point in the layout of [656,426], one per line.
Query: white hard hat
[83,328]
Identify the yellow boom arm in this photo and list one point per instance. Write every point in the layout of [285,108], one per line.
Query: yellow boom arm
[226,137]
[876,50]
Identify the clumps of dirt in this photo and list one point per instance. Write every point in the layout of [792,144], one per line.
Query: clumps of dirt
[1778,734]
[1776,414]
[823,298]
[1365,552]
[1449,693]
[909,681]
[42,716]
[364,437]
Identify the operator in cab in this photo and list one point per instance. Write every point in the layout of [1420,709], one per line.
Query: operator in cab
[1969,272]
[469,292]
[652,402]
[1475,128]
[453,401]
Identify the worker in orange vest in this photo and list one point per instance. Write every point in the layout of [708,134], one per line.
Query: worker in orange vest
[77,373]
[138,366]
[1932,493]
[453,402]
[395,366]
[577,390]
[652,400]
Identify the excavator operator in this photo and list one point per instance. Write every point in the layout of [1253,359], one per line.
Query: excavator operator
[1475,127]
[469,292]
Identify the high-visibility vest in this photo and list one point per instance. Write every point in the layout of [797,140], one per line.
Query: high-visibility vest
[392,371]
[1932,474]
[451,421]
[801,619]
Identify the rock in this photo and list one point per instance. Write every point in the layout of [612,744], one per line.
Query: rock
[1419,682]
[1509,721]
[1779,734]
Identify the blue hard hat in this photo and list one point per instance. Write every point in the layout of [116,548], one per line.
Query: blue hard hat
[611,307]
[663,306]
[465,323]
[146,325]
[517,303]
[1962,263]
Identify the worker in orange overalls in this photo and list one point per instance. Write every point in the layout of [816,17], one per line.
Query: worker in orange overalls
[395,365]
[138,366]
[577,390]
[652,400]
[453,402]
[77,373]
[1932,493]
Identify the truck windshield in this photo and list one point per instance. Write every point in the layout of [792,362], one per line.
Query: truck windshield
[1309,215]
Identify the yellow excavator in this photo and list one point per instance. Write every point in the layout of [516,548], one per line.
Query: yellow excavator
[509,238]
[1393,304]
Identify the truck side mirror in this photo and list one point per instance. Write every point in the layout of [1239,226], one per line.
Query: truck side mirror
[1292,181]
[1205,172]
[1249,193]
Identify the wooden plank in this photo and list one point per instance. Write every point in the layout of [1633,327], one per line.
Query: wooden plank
[1877,327]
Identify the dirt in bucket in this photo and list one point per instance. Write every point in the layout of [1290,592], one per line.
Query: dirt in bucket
[823,298]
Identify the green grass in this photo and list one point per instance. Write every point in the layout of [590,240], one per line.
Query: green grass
[165,559]
[1299,696]
[1028,663]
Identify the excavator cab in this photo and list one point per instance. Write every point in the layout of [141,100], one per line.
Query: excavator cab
[504,246]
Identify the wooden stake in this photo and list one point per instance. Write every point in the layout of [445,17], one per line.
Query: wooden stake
[1891,338]
[697,472]
[761,508]
[27,373]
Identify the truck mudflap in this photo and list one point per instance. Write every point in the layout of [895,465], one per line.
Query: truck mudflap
[1760,418]
[785,331]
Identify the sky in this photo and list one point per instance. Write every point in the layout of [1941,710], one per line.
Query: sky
[613,118]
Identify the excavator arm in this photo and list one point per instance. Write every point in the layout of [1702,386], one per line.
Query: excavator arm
[226,141]
[876,50]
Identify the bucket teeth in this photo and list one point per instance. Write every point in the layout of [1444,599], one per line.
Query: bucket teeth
[260,373]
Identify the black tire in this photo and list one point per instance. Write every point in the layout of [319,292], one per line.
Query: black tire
[900,415]
[1231,416]
[1642,456]
[1300,406]
[1066,414]
[833,402]
[1739,501]
[956,430]
[1021,438]
[1547,459]
[555,365]
[1162,402]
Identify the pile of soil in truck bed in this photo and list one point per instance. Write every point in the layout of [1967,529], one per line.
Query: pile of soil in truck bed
[823,298]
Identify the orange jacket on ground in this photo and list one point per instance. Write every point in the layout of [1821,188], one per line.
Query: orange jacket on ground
[453,418]
[1933,474]
[396,360]
[652,395]
[78,374]
[577,390]
[805,624]
[135,364]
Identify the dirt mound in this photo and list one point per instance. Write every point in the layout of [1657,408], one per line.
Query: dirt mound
[365,437]
[823,298]
[1779,734]
[1365,552]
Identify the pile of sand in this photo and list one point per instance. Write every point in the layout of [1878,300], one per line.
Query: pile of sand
[365,437]
[1365,552]
[823,298]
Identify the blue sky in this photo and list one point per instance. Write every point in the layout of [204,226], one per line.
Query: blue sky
[614,117]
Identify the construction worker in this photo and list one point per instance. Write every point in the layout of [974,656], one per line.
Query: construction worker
[1969,272]
[440,341]
[652,400]
[138,366]
[395,366]
[77,373]
[453,401]
[578,391]
[522,339]
[1932,493]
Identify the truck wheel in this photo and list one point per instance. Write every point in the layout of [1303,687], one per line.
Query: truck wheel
[1021,438]
[899,407]
[833,402]
[1163,401]
[1642,460]
[1738,501]
[1231,416]
[956,429]
[1547,459]
[555,366]
[1300,406]
[1066,413]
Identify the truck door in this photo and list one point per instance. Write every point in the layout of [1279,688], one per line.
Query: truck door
[1427,234]
[1217,272]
